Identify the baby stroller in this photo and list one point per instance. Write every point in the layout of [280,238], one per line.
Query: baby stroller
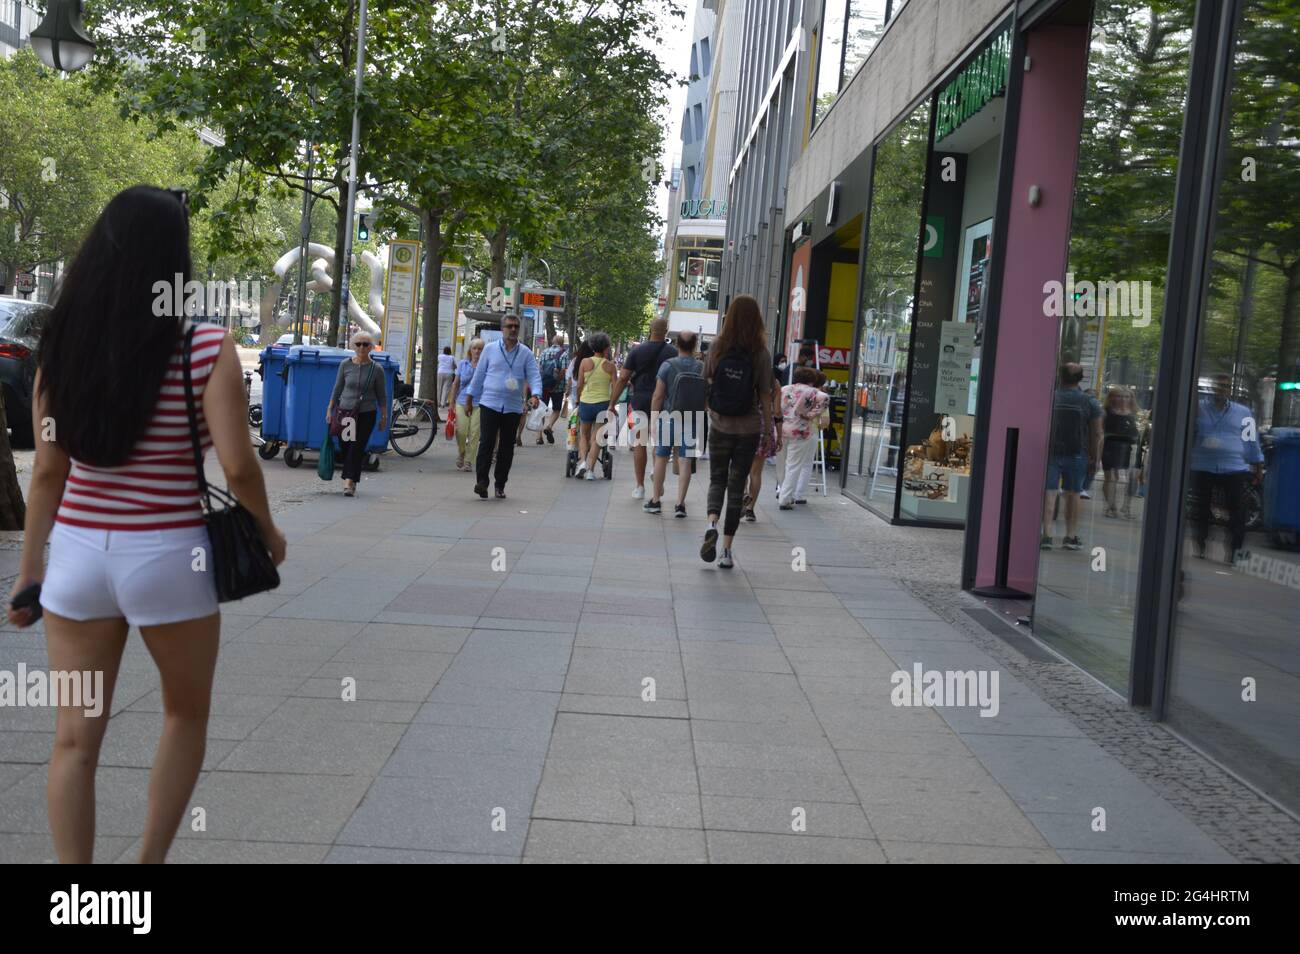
[606,459]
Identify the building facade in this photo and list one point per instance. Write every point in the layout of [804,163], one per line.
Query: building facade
[696,222]
[17,20]
[769,112]
[981,193]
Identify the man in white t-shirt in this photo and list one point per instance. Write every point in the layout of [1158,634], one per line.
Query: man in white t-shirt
[446,372]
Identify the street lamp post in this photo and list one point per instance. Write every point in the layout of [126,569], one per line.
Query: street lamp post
[61,41]
[345,270]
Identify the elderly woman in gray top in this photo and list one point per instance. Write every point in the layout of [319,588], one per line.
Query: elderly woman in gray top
[360,393]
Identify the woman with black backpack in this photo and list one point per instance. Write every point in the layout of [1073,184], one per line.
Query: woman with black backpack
[739,371]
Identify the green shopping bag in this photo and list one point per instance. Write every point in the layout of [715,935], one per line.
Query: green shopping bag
[325,469]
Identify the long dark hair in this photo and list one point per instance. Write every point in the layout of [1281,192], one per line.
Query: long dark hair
[104,351]
[742,330]
[582,354]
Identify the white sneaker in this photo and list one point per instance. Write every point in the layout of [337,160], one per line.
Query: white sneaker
[591,475]
[639,493]
[582,469]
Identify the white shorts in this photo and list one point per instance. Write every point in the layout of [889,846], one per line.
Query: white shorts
[147,577]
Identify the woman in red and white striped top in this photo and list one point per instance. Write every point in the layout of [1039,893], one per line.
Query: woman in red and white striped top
[156,488]
[114,491]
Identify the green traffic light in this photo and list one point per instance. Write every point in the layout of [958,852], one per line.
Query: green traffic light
[1289,386]
[363,227]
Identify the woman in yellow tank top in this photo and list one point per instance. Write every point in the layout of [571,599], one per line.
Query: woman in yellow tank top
[595,375]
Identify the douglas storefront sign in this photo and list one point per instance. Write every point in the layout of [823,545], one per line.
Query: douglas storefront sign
[704,209]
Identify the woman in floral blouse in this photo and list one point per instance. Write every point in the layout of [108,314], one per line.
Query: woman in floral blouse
[801,407]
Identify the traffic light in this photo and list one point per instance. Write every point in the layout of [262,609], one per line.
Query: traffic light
[363,227]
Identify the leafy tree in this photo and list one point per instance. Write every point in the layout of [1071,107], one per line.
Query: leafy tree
[66,153]
[270,76]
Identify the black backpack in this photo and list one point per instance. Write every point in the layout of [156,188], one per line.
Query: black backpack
[690,392]
[1069,427]
[732,390]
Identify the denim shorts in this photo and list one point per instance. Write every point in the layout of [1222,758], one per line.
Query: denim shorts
[587,413]
[667,440]
[1067,473]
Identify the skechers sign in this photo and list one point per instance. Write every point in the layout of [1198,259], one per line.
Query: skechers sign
[704,209]
[983,79]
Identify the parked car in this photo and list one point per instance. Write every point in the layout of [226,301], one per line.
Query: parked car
[21,323]
[286,341]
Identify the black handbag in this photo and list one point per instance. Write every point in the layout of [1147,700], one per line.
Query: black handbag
[241,563]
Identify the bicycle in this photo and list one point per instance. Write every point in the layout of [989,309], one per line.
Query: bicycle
[413,426]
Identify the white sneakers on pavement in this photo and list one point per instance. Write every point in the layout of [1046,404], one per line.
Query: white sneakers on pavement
[639,493]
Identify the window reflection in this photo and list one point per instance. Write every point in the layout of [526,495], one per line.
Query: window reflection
[698,271]
[1235,675]
[888,292]
[1108,307]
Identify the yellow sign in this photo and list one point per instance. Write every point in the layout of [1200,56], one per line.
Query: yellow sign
[400,284]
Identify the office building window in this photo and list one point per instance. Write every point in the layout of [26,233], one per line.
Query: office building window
[849,32]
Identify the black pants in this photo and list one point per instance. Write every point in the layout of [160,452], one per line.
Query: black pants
[496,434]
[730,457]
[354,451]
[1234,498]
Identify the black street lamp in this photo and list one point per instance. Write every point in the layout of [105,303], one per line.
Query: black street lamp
[61,40]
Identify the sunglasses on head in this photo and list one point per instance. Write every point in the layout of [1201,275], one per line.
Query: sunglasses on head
[182,196]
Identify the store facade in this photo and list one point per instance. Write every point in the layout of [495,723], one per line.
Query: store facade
[1109,185]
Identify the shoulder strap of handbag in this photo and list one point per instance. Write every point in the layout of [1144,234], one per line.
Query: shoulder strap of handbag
[194,419]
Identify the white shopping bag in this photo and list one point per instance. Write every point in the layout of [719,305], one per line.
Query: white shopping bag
[536,418]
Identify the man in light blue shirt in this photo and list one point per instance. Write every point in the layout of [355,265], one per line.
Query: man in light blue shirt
[1225,452]
[505,368]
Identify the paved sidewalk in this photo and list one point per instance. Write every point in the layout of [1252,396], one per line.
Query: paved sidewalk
[502,714]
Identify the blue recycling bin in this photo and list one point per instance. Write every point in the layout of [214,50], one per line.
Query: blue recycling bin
[311,375]
[1282,482]
[275,374]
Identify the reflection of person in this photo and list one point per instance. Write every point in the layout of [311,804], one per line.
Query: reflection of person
[1222,457]
[1121,433]
[1075,450]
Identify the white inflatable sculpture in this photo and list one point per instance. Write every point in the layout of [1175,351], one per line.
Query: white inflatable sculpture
[322,281]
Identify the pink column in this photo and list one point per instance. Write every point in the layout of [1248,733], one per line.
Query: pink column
[1047,138]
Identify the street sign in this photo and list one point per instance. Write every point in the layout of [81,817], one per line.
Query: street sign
[401,281]
[529,313]
[548,298]
[25,282]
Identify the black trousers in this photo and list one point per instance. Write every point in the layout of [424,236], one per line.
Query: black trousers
[1234,497]
[354,451]
[730,457]
[496,434]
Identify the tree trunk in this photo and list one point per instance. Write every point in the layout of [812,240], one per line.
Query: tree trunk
[13,511]
[497,246]
[341,226]
[432,295]
[571,313]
